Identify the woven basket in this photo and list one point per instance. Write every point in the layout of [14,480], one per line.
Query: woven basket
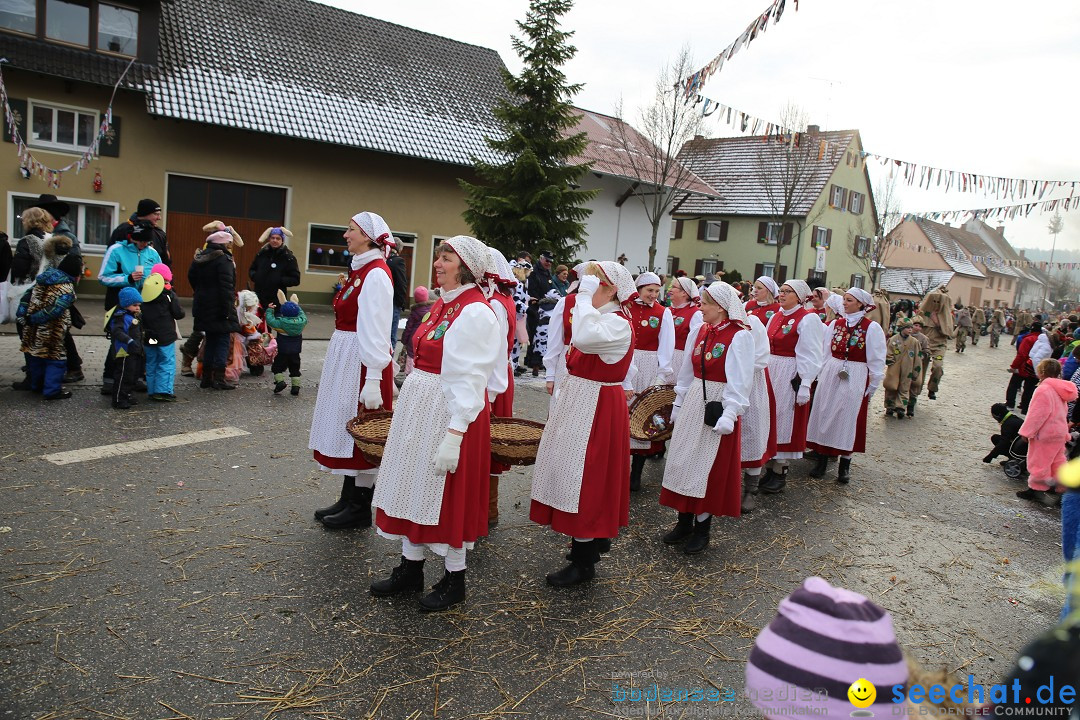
[650,414]
[515,441]
[369,432]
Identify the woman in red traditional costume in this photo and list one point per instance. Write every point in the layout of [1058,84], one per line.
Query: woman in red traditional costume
[685,314]
[702,477]
[795,337]
[654,347]
[759,421]
[357,365]
[435,472]
[500,283]
[579,483]
[854,347]
[764,304]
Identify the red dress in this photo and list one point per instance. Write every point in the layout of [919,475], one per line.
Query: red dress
[723,494]
[503,404]
[764,312]
[783,344]
[646,322]
[463,516]
[604,503]
[345,310]
[841,349]
[681,317]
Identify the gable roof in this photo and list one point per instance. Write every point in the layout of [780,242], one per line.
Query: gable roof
[913,281]
[978,247]
[732,166]
[995,239]
[943,238]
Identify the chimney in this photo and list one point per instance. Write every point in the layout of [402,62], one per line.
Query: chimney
[1021,254]
[1001,230]
[698,137]
[813,128]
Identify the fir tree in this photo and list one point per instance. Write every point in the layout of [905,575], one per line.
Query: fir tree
[531,200]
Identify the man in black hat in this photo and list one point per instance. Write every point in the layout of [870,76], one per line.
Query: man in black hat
[539,284]
[59,210]
[150,211]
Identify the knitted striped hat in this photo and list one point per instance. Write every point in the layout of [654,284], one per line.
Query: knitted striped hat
[822,640]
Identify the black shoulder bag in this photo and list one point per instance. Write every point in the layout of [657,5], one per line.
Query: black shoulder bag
[714,410]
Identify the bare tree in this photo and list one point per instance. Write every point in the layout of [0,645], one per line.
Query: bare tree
[649,153]
[869,246]
[921,286]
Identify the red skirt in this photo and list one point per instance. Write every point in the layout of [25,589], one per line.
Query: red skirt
[798,426]
[503,406]
[463,516]
[604,504]
[860,436]
[723,494]
[357,461]
[770,446]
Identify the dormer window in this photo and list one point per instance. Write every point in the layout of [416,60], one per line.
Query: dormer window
[19,15]
[68,22]
[108,27]
[118,29]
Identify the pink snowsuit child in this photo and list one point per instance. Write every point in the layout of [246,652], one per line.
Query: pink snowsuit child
[1046,429]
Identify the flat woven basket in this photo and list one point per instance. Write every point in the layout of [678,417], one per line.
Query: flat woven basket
[369,432]
[514,441]
[650,414]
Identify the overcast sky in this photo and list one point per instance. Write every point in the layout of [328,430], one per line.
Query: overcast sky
[983,86]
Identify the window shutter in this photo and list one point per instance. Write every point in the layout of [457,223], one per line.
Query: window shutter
[18,109]
[674,264]
[698,267]
[762,231]
[723,230]
[759,270]
[832,195]
[702,223]
[851,281]
[678,229]
[788,227]
[843,197]
[110,144]
[813,236]
[782,275]
[719,264]
[828,239]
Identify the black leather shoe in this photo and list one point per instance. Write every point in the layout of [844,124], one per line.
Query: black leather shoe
[844,473]
[62,395]
[279,386]
[355,514]
[347,488]
[681,531]
[582,567]
[699,540]
[406,577]
[446,593]
[932,395]
[25,386]
[820,467]
[295,390]
[773,482]
[73,376]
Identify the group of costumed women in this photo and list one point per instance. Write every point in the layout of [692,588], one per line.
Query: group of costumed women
[742,374]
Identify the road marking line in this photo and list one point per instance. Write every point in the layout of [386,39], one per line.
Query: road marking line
[138,446]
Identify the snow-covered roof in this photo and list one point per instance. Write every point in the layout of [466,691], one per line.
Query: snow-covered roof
[913,281]
[946,245]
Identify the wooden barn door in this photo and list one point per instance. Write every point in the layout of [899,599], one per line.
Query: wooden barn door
[194,202]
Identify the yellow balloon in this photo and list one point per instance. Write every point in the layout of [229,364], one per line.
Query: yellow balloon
[1069,474]
[862,693]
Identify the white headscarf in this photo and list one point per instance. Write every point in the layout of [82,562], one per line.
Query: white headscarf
[647,278]
[376,229]
[621,278]
[835,302]
[770,285]
[690,288]
[802,290]
[500,273]
[862,296]
[726,297]
[473,253]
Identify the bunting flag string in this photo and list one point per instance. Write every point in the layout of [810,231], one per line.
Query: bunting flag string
[759,25]
[1003,212]
[31,165]
[990,261]
[924,177]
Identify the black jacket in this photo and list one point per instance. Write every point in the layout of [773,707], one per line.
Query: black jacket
[540,281]
[160,242]
[401,283]
[159,318]
[1010,428]
[25,262]
[213,282]
[271,270]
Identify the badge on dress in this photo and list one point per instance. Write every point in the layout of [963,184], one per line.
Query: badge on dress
[718,349]
[644,323]
[356,282]
[273,265]
[679,320]
[424,319]
[451,311]
[440,330]
[430,335]
[654,322]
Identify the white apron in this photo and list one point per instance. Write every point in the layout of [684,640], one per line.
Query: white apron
[782,371]
[338,396]
[648,365]
[560,460]
[835,414]
[693,447]
[756,420]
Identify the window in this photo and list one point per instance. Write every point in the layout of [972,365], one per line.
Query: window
[990,283]
[327,249]
[118,29]
[768,270]
[858,281]
[773,233]
[856,202]
[837,196]
[708,267]
[68,21]
[62,128]
[1008,285]
[221,198]
[19,15]
[676,229]
[92,222]
[862,247]
[816,278]
[716,231]
[672,265]
[821,238]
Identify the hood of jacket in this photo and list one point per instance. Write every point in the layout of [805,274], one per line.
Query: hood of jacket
[207,255]
[55,276]
[1065,389]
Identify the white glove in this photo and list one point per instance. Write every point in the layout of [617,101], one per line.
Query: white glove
[446,457]
[492,395]
[804,395]
[665,377]
[588,285]
[675,413]
[725,425]
[871,390]
[371,393]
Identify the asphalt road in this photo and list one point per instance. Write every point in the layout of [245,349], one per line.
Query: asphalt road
[192,581]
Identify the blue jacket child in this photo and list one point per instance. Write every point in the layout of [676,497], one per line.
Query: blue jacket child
[289,321]
[125,329]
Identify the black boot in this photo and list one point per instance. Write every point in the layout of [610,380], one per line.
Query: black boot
[681,531]
[347,488]
[932,395]
[447,592]
[844,474]
[749,494]
[603,546]
[207,380]
[356,514]
[583,557]
[820,467]
[221,382]
[406,577]
[700,538]
[637,464]
[911,407]
[773,482]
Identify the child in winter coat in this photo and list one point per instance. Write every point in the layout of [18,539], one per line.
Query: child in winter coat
[160,311]
[1046,428]
[125,329]
[289,320]
[45,312]
[422,303]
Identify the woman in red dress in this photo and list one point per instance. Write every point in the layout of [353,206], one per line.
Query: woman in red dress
[433,481]
[765,302]
[686,315]
[579,483]
[654,347]
[363,309]
[500,283]
[702,477]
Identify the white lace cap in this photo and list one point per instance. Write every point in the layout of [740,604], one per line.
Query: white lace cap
[647,278]
[770,285]
[621,278]
[500,267]
[726,297]
[862,296]
[473,253]
[689,287]
[802,290]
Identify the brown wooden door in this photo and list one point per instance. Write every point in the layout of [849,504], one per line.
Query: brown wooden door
[186,237]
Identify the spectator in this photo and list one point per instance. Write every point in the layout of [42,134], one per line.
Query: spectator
[396,263]
[29,258]
[125,330]
[1046,428]
[1010,428]
[1023,366]
[150,212]
[160,311]
[561,280]
[540,284]
[274,267]
[59,210]
[46,315]
[213,278]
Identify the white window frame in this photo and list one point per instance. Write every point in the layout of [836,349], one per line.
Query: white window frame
[77,221]
[837,199]
[865,252]
[713,228]
[771,237]
[821,237]
[861,281]
[857,199]
[670,262]
[768,270]
[31,104]
[708,266]
[317,270]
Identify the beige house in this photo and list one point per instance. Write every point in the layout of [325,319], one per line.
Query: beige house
[826,237]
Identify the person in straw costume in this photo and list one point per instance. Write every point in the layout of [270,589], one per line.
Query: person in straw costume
[936,313]
[903,362]
[853,370]
[579,483]
[685,314]
[795,356]
[702,476]
[500,283]
[363,308]
[759,420]
[654,333]
[434,479]
[764,303]
[922,363]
